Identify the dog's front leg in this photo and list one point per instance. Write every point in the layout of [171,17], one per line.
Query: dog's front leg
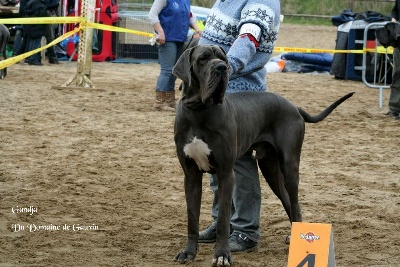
[223,256]
[193,191]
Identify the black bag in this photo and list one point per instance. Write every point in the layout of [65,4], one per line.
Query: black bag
[8,2]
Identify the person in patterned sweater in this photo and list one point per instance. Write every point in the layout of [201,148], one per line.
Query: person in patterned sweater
[247,31]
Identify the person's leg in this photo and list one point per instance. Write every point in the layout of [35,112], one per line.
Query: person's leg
[247,201]
[170,93]
[23,46]
[394,99]
[28,48]
[17,40]
[35,59]
[50,38]
[167,59]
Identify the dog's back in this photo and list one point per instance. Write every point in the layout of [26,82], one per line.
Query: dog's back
[256,113]
[250,105]
[273,103]
[270,102]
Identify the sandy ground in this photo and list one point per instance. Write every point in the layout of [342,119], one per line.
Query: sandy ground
[106,159]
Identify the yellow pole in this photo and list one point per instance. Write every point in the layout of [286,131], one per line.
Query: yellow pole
[82,76]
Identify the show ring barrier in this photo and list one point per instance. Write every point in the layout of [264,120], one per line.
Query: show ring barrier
[86,26]
[378,82]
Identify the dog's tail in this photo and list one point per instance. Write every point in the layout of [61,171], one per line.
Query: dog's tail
[317,118]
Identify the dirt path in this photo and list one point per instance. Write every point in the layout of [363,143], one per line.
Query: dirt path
[105,159]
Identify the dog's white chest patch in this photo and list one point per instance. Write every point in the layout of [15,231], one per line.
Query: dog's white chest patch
[199,151]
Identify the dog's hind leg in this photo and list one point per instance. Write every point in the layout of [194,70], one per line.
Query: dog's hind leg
[269,166]
[290,172]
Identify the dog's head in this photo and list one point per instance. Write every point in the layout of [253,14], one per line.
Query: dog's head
[204,72]
[389,35]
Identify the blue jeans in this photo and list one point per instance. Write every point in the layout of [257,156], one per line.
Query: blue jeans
[168,55]
[17,41]
[245,212]
[34,43]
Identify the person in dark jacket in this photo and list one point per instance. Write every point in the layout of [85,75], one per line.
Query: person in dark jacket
[52,6]
[34,32]
[394,99]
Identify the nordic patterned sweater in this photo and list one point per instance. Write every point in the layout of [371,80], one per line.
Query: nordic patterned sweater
[246,61]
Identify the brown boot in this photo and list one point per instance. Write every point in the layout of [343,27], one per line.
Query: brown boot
[170,99]
[161,103]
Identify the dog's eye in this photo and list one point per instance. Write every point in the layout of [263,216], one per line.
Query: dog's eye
[222,57]
[204,56]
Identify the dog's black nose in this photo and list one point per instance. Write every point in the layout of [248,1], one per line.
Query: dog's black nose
[221,67]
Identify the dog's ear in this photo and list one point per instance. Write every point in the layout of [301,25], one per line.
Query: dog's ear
[182,68]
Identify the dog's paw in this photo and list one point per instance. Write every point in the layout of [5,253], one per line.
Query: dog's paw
[222,261]
[185,257]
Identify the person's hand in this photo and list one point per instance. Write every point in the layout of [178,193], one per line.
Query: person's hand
[197,34]
[394,20]
[161,38]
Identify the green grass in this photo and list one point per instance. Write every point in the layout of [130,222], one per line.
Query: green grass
[309,7]
[307,21]
[334,7]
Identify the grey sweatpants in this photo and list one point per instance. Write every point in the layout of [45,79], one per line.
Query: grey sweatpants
[246,198]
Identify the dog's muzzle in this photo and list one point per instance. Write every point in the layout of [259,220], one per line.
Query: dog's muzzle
[217,83]
[220,67]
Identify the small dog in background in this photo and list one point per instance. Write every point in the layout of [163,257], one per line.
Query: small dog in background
[389,35]
[4,38]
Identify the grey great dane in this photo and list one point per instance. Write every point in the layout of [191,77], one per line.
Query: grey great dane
[212,130]
[4,38]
